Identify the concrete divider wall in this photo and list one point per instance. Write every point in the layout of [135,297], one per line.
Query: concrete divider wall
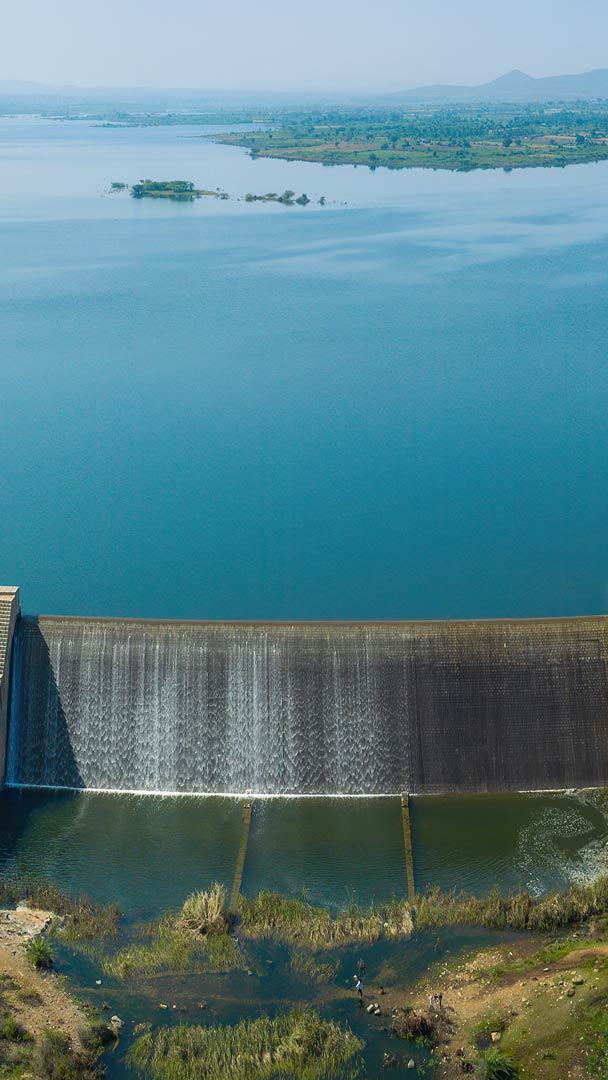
[310,708]
[9,610]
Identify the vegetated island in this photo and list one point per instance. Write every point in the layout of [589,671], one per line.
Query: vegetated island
[179,190]
[185,191]
[457,138]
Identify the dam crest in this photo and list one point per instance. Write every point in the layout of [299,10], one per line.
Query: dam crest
[302,708]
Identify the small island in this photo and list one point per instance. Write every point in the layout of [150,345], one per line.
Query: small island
[288,198]
[178,190]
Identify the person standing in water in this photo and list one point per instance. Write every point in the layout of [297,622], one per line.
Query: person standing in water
[358,986]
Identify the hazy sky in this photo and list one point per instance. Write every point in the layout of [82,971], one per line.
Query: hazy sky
[316,44]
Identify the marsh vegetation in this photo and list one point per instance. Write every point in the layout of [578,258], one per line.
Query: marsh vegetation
[297,1043]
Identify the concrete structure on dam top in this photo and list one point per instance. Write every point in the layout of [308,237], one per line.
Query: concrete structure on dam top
[302,708]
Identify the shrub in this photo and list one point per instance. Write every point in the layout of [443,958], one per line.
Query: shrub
[407,1024]
[38,952]
[494,1065]
[12,1031]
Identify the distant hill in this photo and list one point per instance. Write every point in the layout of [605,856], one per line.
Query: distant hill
[517,86]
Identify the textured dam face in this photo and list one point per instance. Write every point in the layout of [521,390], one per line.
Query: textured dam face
[303,708]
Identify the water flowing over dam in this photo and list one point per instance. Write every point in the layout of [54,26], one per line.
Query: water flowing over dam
[309,708]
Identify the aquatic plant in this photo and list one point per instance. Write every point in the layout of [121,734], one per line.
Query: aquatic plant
[297,1043]
[295,920]
[314,969]
[170,950]
[518,911]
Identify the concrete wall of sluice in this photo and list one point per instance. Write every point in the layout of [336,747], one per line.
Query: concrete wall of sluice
[310,708]
[9,610]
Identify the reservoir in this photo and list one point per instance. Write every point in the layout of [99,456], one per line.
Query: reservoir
[392,406]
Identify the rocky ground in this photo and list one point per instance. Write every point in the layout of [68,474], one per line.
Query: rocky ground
[543,1004]
[37,1000]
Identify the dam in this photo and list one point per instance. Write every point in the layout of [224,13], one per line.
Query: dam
[307,708]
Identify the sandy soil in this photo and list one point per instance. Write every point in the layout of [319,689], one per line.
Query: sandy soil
[54,1008]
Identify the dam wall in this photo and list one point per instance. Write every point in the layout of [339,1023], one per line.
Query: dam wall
[310,708]
[9,610]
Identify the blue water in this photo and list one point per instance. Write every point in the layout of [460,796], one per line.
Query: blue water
[391,406]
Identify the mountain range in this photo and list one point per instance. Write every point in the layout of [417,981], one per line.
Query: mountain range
[517,86]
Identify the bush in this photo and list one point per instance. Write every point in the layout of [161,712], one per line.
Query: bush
[38,952]
[408,1024]
[96,1035]
[494,1065]
[53,1059]
[12,1031]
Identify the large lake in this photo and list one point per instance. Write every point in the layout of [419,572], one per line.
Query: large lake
[390,406]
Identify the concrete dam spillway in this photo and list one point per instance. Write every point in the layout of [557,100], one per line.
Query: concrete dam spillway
[309,708]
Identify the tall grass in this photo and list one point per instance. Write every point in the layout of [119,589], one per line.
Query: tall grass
[204,913]
[296,1043]
[518,911]
[295,921]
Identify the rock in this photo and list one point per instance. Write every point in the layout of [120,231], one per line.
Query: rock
[162,1005]
[570,992]
[116,1024]
[495,1036]
[411,1064]
[370,1008]
[377,1010]
[578,980]
[97,982]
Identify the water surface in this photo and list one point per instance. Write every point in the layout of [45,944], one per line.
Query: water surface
[390,406]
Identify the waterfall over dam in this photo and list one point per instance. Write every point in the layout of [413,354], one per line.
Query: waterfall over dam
[309,708]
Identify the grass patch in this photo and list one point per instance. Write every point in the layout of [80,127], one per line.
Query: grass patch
[312,968]
[28,995]
[295,921]
[196,937]
[296,1043]
[494,1065]
[174,951]
[482,1032]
